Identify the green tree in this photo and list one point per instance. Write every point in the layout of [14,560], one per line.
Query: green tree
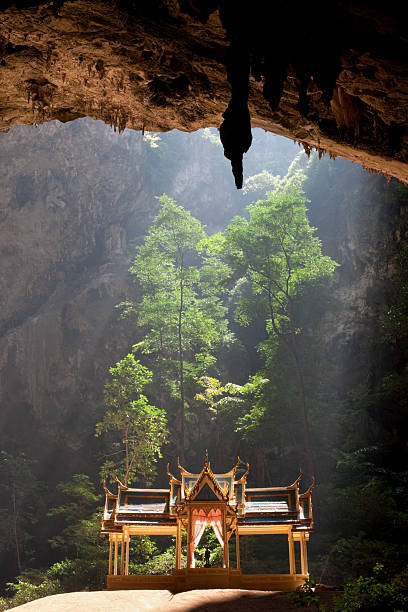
[82,502]
[139,429]
[373,593]
[19,502]
[277,255]
[78,537]
[228,406]
[181,310]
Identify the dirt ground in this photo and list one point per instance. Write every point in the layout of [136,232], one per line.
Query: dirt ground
[209,600]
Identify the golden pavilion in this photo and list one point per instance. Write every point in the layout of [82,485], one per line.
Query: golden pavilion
[190,504]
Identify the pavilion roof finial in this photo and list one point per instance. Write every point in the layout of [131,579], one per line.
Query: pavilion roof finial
[172,478]
[298,479]
[106,489]
[234,469]
[121,485]
[243,477]
[180,467]
[312,486]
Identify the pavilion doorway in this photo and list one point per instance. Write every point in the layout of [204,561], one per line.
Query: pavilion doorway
[200,519]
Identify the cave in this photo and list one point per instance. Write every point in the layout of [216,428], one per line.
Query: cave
[105,106]
[331,76]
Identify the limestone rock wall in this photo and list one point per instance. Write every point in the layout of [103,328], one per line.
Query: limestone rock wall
[72,198]
[363,222]
[77,197]
[75,200]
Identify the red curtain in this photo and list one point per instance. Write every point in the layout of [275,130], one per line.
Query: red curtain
[199,522]
[215,520]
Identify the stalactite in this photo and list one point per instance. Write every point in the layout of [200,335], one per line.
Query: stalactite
[347,111]
[308,149]
[255,48]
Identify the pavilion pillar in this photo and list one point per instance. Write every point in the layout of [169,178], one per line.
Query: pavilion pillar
[115,567]
[237,547]
[189,538]
[178,545]
[226,544]
[303,554]
[110,555]
[122,554]
[292,561]
[127,553]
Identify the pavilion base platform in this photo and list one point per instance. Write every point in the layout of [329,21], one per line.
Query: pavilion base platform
[207,578]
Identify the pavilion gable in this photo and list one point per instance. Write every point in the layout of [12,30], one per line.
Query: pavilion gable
[206,494]
[222,485]
[208,486]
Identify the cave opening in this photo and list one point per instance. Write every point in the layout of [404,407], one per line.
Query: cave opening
[78,198]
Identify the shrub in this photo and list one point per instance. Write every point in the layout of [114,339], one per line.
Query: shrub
[24,590]
[305,596]
[375,593]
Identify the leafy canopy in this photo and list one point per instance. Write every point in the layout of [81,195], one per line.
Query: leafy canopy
[80,500]
[179,289]
[181,310]
[138,428]
[277,253]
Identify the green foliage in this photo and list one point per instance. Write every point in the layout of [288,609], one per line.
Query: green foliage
[153,557]
[142,550]
[226,398]
[211,135]
[28,587]
[180,310]
[375,593]
[80,538]
[262,182]
[139,429]
[19,504]
[354,555]
[395,321]
[85,572]
[152,139]
[81,490]
[162,563]
[179,288]
[277,252]
[209,540]
[276,258]
[231,407]
[305,596]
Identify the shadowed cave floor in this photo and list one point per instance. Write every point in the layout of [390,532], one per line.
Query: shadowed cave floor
[210,600]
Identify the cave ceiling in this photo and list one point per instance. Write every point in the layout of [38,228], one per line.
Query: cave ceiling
[330,75]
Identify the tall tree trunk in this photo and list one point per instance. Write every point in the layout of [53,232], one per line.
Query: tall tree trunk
[291,346]
[161,372]
[127,457]
[302,396]
[260,466]
[218,461]
[15,534]
[181,362]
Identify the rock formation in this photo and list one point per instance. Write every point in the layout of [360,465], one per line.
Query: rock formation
[331,75]
[76,198]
